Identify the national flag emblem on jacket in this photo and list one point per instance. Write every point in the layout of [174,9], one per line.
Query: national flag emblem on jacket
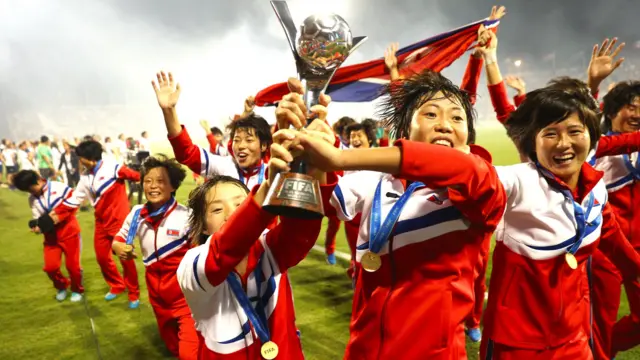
[365,81]
[172,232]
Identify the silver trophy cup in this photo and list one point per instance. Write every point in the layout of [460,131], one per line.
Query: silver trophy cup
[320,47]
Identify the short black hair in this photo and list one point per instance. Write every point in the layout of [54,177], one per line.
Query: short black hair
[198,204]
[174,169]
[577,88]
[90,150]
[621,95]
[256,124]
[142,133]
[44,138]
[406,97]
[366,127]
[24,179]
[342,123]
[542,108]
[216,131]
[566,83]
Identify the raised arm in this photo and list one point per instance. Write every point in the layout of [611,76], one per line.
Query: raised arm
[391,61]
[603,63]
[471,180]
[472,75]
[618,144]
[210,138]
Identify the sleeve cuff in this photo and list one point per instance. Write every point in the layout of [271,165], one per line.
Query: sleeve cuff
[261,216]
[519,99]
[182,138]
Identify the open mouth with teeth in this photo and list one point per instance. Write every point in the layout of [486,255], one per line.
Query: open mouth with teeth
[634,123]
[242,156]
[356,144]
[563,159]
[443,142]
[154,193]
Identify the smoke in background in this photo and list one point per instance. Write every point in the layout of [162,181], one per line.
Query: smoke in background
[71,67]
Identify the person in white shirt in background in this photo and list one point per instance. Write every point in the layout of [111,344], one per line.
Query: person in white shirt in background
[10,159]
[144,148]
[109,149]
[56,155]
[26,157]
[121,146]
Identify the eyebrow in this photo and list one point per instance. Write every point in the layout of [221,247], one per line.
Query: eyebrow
[439,107]
[220,201]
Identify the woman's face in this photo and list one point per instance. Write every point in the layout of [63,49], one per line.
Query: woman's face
[157,186]
[222,200]
[628,118]
[441,121]
[247,149]
[563,147]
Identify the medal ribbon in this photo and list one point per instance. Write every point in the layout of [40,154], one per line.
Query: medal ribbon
[133,227]
[379,234]
[578,212]
[260,174]
[94,171]
[258,322]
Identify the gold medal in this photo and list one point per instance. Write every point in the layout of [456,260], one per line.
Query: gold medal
[371,261]
[571,260]
[269,350]
[128,248]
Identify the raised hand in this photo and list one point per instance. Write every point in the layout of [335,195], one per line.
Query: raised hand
[205,126]
[292,111]
[249,104]
[516,83]
[497,12]
[390,59]
[167,92]
[603,62]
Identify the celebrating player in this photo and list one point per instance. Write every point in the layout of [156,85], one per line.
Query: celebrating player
[54,215]
[235,281]
[162,226]
[103,184]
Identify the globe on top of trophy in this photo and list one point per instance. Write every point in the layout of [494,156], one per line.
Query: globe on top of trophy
[320,45]
[324,42]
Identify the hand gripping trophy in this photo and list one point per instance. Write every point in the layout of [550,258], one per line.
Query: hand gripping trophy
[323,43]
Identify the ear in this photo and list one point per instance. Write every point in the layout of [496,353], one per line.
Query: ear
[263,148]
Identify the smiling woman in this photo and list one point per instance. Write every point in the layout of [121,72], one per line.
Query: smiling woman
[556,130]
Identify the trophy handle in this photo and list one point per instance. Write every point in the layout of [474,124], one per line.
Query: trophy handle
[286,20]
[357,41]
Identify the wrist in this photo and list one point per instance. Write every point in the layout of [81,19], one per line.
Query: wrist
[593,84]
[490,56]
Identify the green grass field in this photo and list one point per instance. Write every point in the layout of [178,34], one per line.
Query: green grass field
[35,326]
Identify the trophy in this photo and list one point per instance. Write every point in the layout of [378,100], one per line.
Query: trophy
[323,43]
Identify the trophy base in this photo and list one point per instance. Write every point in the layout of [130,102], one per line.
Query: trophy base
[294,195]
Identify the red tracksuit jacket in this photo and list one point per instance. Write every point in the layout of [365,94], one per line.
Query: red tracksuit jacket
[415,305]
[222,324]
[105,188]
[535,300]
[57,197]
[163,243]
